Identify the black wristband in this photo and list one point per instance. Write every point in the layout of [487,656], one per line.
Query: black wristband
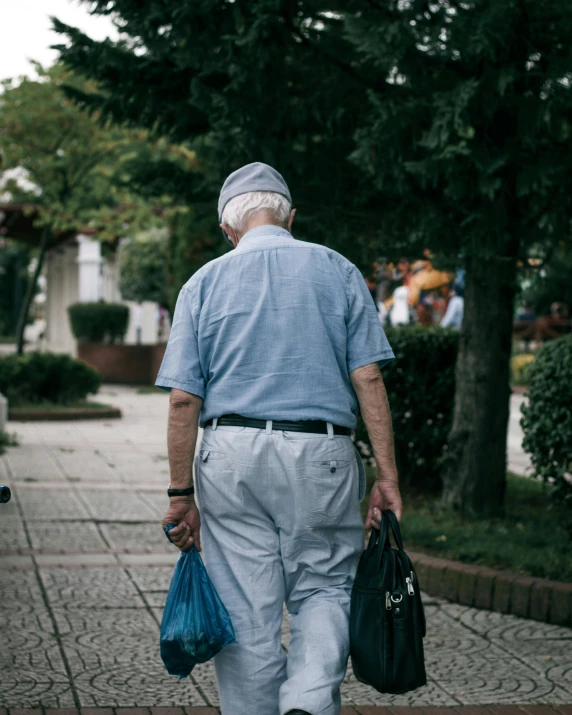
[181,492]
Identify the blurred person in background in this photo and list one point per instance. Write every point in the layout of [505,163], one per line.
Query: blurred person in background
[453,317]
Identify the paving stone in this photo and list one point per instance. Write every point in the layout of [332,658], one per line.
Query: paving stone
[47,505]
[12,533]
[119,507]
[168,558]
[137,536]
[113,655]
[82,535]
[29,462]
[10,562]
[97,588]
[109,633]
[77,560]
[153,578]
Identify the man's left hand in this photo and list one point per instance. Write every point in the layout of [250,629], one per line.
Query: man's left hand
[185,514]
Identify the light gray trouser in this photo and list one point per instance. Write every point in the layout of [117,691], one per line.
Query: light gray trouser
[280,523]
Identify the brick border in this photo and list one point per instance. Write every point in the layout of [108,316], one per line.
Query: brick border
[495,590]
[346,710]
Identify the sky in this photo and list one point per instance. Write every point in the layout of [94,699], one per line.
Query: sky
[27,33]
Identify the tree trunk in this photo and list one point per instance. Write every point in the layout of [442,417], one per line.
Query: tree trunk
[475,461]
[31,290]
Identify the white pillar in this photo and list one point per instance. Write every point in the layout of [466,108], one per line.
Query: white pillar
[89,262]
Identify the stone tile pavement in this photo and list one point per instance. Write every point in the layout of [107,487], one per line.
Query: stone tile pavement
[84,571]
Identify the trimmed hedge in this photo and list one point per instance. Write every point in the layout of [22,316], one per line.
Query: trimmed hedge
[99,322]
[36,377]
[547,420]
[420,384]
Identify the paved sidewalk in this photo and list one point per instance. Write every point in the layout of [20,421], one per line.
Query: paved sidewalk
[84,570]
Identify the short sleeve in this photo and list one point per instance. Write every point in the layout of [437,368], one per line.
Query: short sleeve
[181,366]
[366,340]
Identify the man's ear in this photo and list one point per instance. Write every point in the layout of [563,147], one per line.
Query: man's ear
[291,219]
[231,233]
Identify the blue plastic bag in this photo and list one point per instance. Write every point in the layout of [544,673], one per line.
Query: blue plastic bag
[195,625]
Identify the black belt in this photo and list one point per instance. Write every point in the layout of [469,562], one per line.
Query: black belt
[315,426]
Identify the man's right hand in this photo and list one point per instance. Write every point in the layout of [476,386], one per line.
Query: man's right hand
[184,512]
[383,495]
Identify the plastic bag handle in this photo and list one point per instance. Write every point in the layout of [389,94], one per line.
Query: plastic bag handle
[167,529]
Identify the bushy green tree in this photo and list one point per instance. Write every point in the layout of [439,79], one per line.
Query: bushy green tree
[143,267]
[403,124]
[75,164]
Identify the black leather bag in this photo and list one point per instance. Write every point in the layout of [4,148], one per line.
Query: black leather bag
[387,621]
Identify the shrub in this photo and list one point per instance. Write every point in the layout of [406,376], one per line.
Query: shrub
[46,377]
[420,384]
[99,322]
[519,365]
[547,420]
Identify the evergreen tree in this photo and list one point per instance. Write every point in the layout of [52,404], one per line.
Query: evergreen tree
[403,124]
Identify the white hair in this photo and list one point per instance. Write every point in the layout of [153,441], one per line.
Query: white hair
[243,207]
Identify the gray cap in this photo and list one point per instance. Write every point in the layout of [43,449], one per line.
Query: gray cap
[252,177]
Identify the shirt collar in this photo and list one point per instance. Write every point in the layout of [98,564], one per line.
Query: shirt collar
[268,230]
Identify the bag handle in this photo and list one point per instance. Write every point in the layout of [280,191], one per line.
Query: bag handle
[378,539]
[394,525]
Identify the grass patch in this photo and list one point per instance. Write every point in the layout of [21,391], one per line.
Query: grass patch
[530,539]
[80,404]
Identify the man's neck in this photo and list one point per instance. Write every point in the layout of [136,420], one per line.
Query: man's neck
[257,221]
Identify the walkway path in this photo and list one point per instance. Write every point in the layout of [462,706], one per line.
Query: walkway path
[84,570]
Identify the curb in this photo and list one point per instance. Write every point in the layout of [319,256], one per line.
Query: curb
[26,414]
[495,589]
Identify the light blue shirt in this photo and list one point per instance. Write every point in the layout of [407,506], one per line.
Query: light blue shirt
[453,317]
[271,330]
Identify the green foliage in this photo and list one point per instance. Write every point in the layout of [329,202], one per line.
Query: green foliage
[194,239]
[550,284]
[143,267]
[75,163]
[46,377]
[397,135]
[420,384]
[530,539]
[14,260]
[99,322]
[547,419]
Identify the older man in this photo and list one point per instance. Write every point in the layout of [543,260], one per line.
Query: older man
[274,348]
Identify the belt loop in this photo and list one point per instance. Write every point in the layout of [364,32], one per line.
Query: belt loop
[330,430]
[268,426]
[215,422]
